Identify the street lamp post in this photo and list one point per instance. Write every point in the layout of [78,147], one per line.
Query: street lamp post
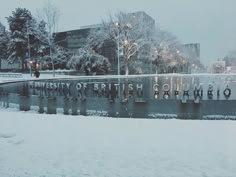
[118,56]
[118,48]
[30,64]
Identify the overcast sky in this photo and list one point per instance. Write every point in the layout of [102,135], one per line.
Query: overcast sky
[208,22]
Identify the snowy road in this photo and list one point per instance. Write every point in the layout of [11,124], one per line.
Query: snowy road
[34,145]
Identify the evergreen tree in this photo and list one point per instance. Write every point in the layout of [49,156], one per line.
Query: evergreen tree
[4,38]
[19,24]
[26,39]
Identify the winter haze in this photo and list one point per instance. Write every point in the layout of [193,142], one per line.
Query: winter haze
[208,22]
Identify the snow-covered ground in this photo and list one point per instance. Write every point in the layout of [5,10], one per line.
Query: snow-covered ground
[41,145]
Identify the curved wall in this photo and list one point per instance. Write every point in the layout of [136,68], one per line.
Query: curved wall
[167,96]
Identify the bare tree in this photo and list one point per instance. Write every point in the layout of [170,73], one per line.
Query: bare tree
[50,14]
[129,31]
[167,52]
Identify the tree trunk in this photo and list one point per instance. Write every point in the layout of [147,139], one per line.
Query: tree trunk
[53,69]
[22,65]
[126,69]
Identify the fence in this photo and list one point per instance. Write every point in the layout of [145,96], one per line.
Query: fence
[14,75]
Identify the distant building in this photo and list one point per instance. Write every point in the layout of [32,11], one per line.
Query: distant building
[192,50]
[217,67]
[73,39]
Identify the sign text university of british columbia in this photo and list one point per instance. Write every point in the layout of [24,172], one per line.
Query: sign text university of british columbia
[157,90]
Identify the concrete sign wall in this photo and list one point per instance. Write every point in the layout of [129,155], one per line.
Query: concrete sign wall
[179,96]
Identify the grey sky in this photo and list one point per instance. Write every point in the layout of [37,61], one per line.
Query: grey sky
[209,22]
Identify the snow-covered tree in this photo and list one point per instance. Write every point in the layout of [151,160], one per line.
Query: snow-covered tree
[61,57]
[169,55]
[89,61]
[25,39]
[19,40]
[130,31]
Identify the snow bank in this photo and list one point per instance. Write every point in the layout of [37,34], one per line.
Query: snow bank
[70,146]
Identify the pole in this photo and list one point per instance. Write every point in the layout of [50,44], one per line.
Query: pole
[30,68]
[27,28]
[118,58]
[118,55]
